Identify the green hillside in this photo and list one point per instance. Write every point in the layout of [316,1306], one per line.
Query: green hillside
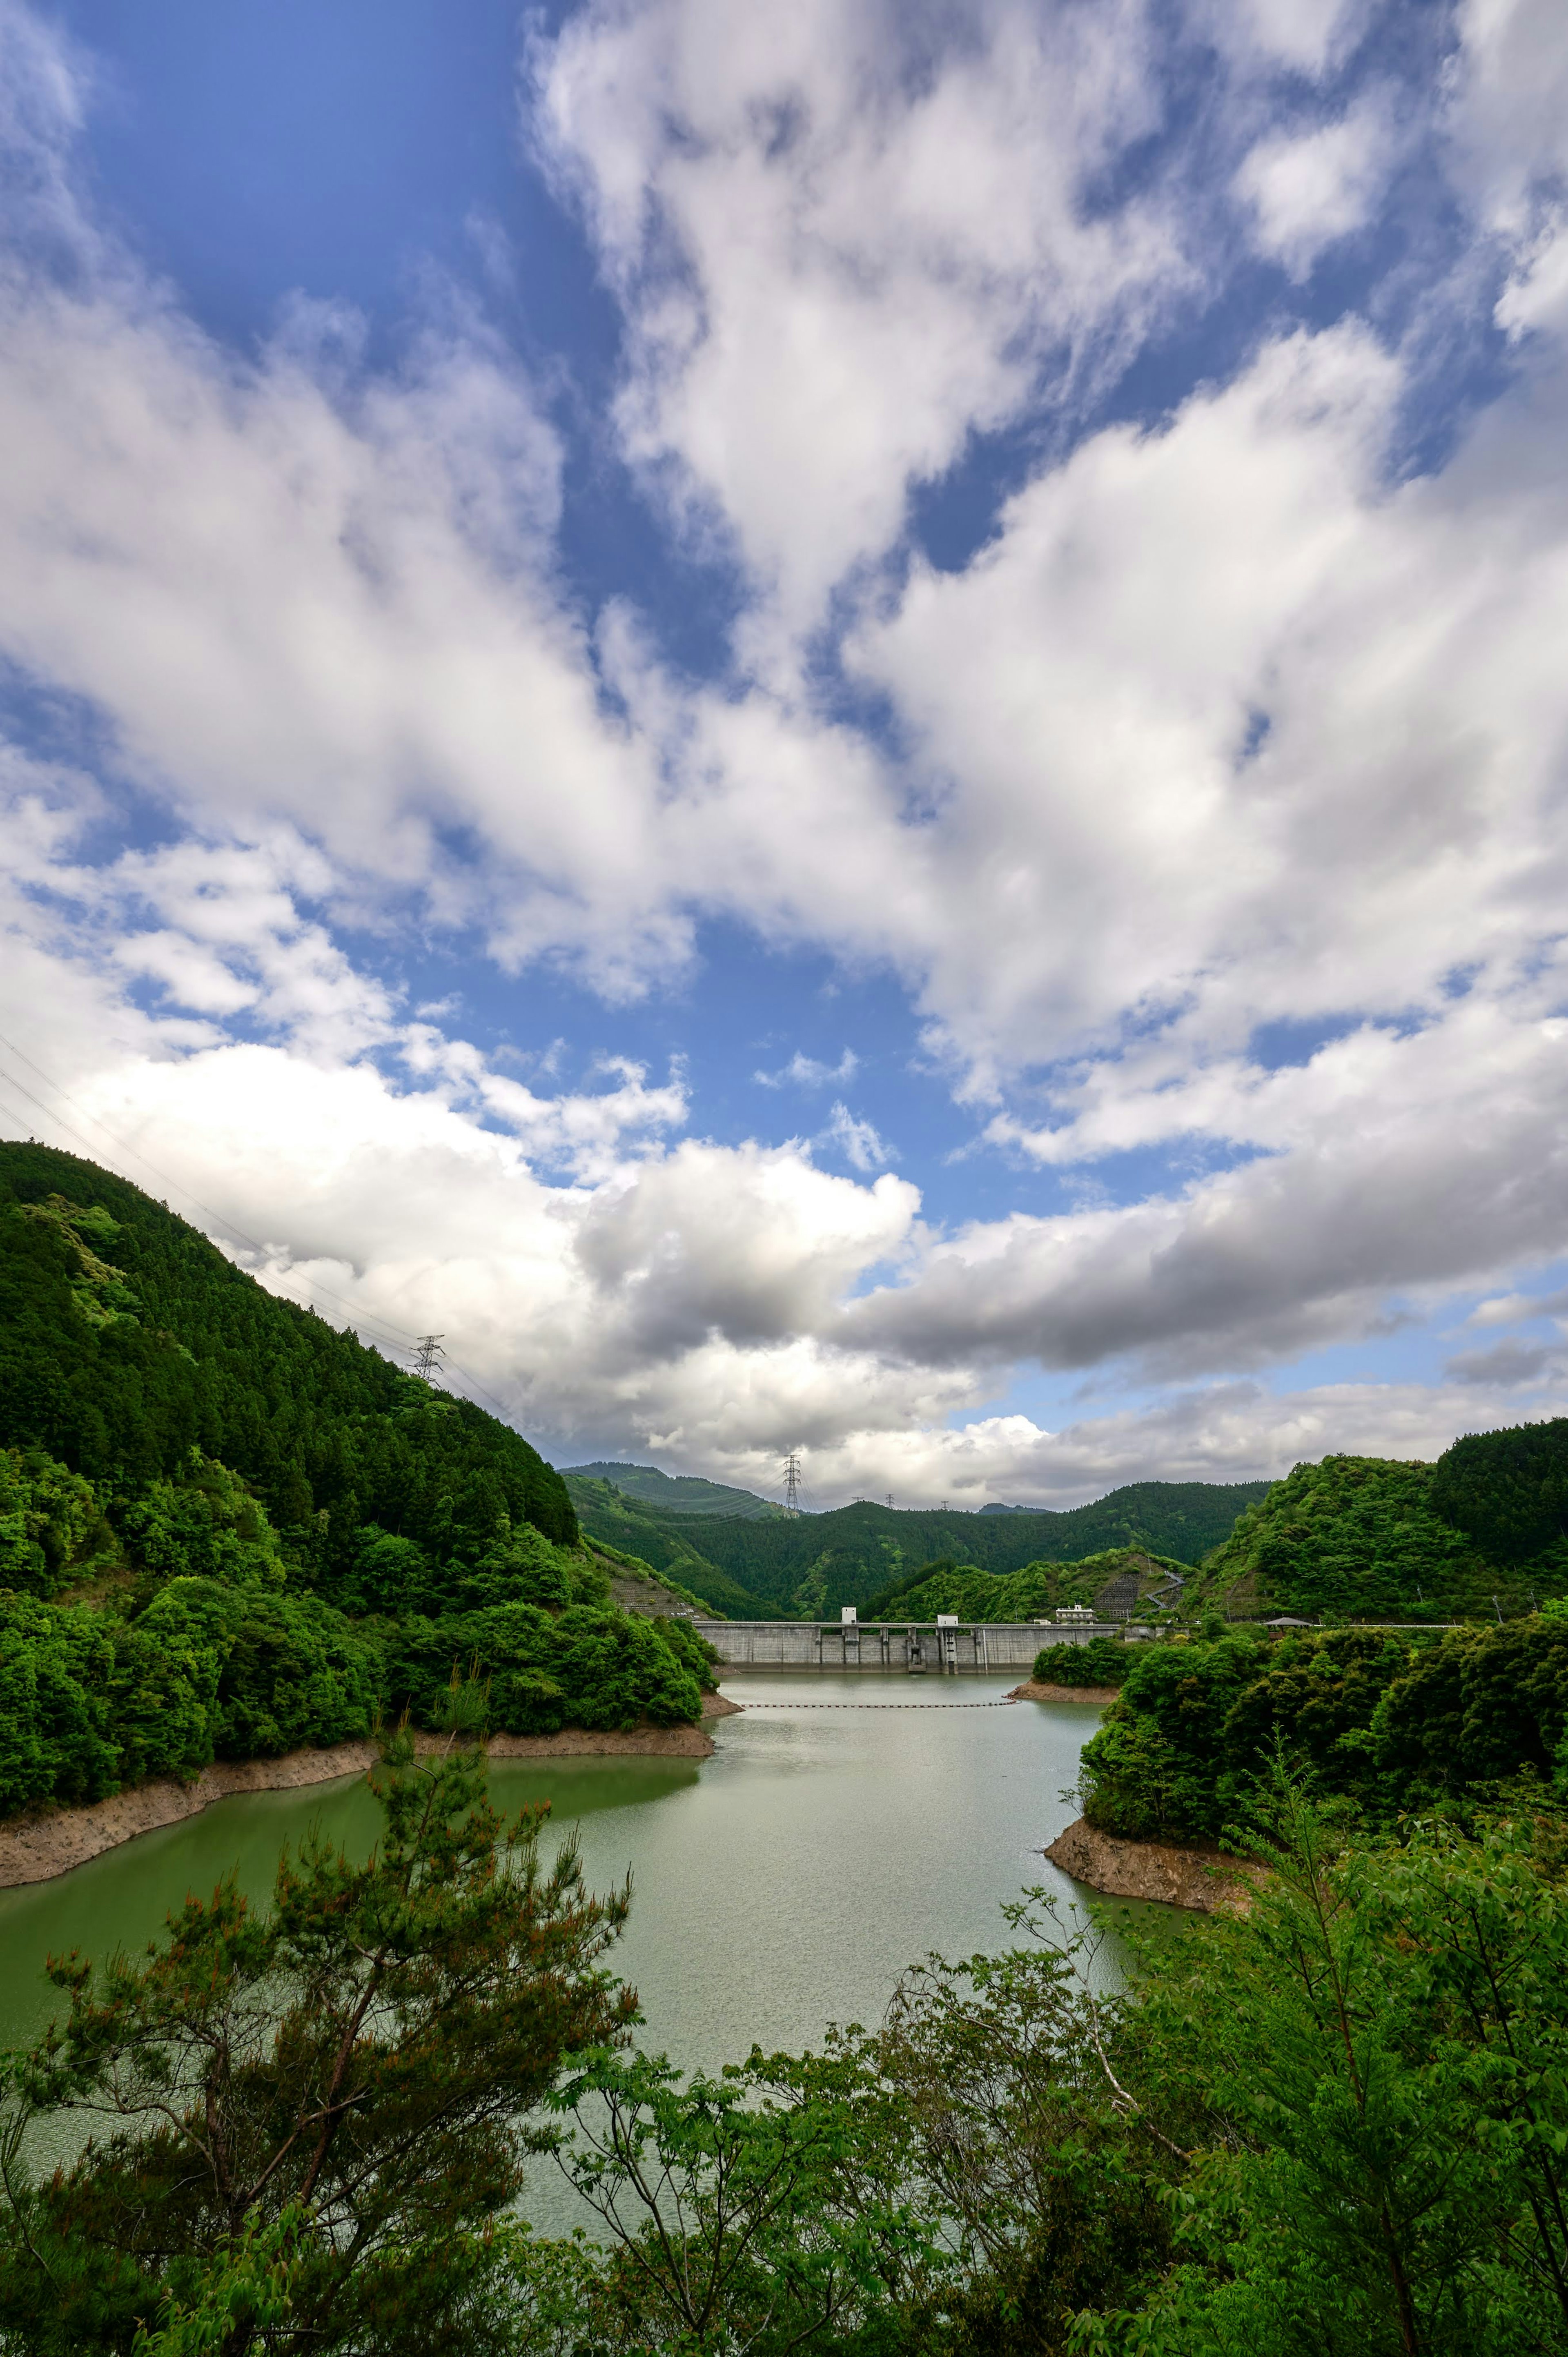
[675,1493]
[607,1516]
[1479,1533]
[814,1564]
[1031,1594]
[226,1529]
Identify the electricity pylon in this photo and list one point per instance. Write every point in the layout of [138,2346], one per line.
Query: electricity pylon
[792,1482]
[428,1356]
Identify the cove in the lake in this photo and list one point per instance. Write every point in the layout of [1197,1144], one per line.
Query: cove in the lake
[783,1883]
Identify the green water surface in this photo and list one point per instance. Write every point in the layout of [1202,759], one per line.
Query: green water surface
[844,1827]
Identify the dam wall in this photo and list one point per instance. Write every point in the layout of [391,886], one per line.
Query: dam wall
[968,1648]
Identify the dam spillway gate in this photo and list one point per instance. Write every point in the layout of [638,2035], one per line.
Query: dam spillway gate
[955,1649]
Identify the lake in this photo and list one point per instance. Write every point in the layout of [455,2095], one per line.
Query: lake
[845,1827]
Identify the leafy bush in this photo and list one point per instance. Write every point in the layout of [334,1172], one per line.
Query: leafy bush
[51,1524]
[590,1665]
[1101,1662]
[1385,1720]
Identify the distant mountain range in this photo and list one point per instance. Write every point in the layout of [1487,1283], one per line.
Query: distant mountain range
[680,1493]
[761,1564]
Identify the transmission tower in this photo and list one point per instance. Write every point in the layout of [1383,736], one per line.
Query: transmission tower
[427,1357]
[792,1482]
[891,1497]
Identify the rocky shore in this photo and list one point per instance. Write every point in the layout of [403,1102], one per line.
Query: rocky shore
[1038,1690]
[1206,1880]
[36,1848]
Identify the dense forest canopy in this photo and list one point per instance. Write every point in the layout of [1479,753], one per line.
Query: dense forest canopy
[226,1529]
[1387,1719]
[126,1338]
[1373,1538]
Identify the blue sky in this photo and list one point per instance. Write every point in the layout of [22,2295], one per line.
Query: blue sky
[842,732]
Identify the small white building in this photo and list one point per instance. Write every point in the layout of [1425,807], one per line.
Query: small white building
[1075,1616]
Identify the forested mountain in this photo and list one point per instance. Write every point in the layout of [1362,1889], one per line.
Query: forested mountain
[675,1493]
[814,1564]
[226,1529]
[612,1518]
[1481,1531]
[1032,1593]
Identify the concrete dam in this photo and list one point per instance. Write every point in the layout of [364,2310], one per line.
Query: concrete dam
[942,1649]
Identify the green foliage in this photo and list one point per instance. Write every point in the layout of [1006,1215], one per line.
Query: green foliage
[586,1666]
[90,1701]
[866,1552]
[1103,1662]
[272,1533]
[633,1582]
[1387,1720]
[304,2117]
[1507,1490]
[202,1524]
[1031,1593]
[1371,1538]
[118,1367]
[1335,2125]
[637,1530]
[52,1530]
[1382,2047]
[748,2211]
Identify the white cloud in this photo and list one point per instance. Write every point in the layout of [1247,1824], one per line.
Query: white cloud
[805,1072]
[845,236]
[1308,190]
[1505,1365]
[856,1139]
[1231,725]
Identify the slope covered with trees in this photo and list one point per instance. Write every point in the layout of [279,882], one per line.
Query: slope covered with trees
[810,1565]
[1031,1594]
[1481,1531]
[631,1527]
[226,1529]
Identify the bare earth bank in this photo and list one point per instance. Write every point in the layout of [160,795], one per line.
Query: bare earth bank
[1204,1879]
[1033,1689]
[36,1848]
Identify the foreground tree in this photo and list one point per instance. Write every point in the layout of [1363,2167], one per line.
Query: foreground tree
[303,2120]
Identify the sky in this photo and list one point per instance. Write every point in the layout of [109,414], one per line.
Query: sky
[837,728]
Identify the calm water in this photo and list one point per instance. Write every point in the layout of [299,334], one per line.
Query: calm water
[779,1886]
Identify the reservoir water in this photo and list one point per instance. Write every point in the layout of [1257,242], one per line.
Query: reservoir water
[845,1827]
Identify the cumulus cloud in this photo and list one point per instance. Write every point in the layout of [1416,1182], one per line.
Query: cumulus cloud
[1236,722]
[1505,1365]
[1308,190]
[846,236]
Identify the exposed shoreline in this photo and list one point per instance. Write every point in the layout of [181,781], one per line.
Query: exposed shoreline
[37,1849]
[1039,1690]
[1207,1882]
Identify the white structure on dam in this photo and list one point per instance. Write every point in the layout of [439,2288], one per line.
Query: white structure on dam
[944,1648]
